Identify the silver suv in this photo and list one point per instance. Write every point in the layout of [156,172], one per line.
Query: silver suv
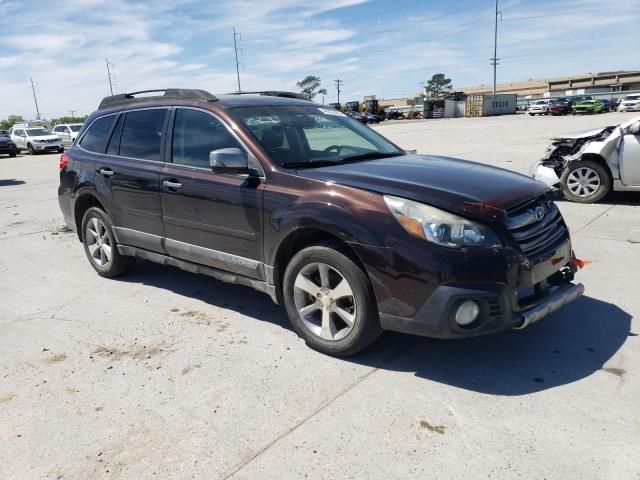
[68,132]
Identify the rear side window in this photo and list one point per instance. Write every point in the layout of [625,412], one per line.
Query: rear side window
[195,134]
[96,137]
[142,134]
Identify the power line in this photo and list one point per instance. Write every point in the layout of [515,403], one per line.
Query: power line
[235,48]
[494,60]
[109,74]
[338,83]
[35,99]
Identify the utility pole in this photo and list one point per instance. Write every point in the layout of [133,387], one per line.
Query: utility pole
[72,113]
[35,99]
[422,89]
[235,47]
[494,60]
[338,82]
[109,75]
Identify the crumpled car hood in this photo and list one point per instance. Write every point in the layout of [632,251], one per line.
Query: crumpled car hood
[581,134]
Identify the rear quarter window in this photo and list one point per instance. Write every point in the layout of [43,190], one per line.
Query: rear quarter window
[96,137]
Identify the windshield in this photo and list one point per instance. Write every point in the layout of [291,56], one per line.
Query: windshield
[305,136]
[540,102]
[34,132]
[632,97]
[75,128]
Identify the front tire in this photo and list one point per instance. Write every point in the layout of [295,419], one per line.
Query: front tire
[61,150]
[32,150]
[100,245]
[330,301]
[586,181]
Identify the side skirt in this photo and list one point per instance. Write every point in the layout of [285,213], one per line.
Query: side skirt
[196,268]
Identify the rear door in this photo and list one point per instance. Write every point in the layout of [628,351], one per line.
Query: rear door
[211,219]
[128,176]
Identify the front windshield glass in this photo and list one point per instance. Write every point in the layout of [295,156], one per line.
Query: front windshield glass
[305,136]
[75,128]
[633,97]
[34,132]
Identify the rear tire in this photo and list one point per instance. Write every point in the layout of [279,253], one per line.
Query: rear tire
[330,302]
[596,181]
[100,245]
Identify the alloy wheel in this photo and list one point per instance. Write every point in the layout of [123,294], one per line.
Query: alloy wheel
[325,302]
[98,242]
[583,182]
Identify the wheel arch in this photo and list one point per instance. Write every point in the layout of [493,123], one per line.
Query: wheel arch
[595,158]
[84,201]
[304,237]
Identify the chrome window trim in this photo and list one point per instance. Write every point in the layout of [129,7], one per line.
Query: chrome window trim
[79,140]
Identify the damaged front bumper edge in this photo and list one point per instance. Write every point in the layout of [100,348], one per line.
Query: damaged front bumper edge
[563,296]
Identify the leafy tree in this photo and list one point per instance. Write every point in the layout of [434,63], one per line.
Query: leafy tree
[438,84]
[10,121]
[309,86]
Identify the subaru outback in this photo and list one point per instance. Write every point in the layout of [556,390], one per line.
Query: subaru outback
[349,232]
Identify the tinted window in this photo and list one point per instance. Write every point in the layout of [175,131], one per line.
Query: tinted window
[96,137]
[114,144]
[142,134]
[195,134]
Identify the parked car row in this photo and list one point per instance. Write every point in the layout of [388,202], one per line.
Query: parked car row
[585,104]
[35,137]
[365,117]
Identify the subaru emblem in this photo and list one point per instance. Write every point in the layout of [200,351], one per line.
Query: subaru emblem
[539,213]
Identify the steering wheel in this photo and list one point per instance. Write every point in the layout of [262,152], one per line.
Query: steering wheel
[337,148]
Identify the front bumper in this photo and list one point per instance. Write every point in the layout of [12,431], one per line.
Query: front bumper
[546,175]
[41,147]
[11,148]
[500,310]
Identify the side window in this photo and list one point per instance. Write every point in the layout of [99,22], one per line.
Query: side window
[142,133]
[197,133]
[56,129]
[114,144]
[96,137]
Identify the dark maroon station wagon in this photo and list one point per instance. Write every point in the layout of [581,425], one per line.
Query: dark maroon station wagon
[349,232]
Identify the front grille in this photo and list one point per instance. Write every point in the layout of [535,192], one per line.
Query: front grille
[537,237]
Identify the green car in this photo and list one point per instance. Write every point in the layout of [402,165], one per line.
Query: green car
[588,106]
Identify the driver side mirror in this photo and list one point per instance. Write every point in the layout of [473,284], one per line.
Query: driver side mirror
[229,160]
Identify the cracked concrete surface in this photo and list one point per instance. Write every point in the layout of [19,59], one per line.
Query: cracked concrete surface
[166,374]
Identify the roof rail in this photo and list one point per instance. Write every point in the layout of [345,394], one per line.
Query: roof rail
[168,93]
[274,93]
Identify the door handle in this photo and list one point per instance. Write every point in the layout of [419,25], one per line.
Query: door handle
[106,172]
[172,184]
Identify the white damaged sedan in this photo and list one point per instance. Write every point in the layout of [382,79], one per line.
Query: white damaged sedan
[587,165]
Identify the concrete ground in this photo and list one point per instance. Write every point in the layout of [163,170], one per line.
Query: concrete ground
[164,374]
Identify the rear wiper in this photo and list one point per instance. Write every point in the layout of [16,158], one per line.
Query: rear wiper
[370,156]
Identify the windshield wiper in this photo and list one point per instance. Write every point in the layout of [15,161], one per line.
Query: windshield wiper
[310,164]
[370,156]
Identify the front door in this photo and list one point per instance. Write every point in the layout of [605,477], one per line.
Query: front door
[630,159]
[128,176]
[211,219]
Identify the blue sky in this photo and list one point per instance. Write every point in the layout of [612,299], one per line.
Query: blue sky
[380,47]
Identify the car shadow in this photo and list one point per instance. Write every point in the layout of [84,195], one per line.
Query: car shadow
[11,182]
[613,198]
[566,347]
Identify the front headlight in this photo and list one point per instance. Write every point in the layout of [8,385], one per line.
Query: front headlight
[440,227]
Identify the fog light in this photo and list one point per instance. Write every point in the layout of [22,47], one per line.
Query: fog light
[467,313]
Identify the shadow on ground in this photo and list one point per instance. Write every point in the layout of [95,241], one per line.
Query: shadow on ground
[11,182]
[569,345]
[614,198]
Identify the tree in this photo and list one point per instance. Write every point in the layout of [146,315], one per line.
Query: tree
[438,84]
[308,86]
[10,121]
[57,121]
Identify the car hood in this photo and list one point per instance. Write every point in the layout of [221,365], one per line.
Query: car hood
[468,188]
[5,140]
[581,134]
[45,137]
